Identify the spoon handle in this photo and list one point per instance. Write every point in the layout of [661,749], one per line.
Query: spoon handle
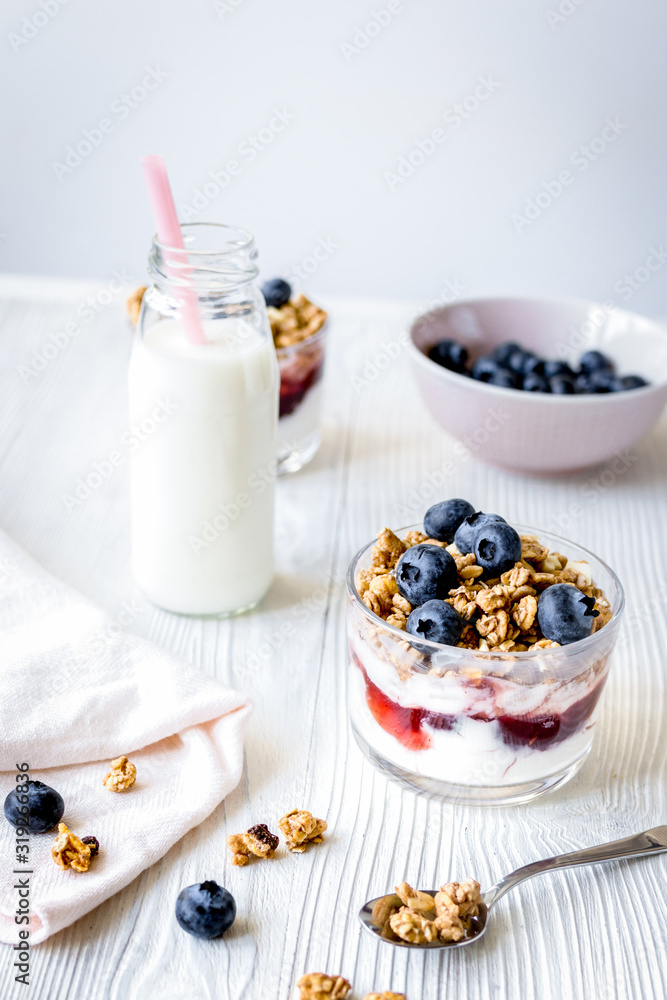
[650,842]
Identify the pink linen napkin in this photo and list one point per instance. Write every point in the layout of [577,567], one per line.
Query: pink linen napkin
[74,693]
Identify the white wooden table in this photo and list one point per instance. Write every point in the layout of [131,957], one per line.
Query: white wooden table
[597,933]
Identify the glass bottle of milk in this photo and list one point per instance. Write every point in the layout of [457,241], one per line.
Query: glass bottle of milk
[202,481]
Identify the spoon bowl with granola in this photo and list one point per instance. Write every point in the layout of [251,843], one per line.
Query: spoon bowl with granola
[469,680]
[457,914]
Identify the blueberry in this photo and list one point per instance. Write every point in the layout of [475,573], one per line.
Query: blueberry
[43,810]
[505,378]
[554,368]
[583,384]
[442,519]
[425,572]
[205,910]
[603,381]
[561,385]
[533,365]
[518,360]
[535,383]
[484,368]
[436,621]
[450,355]
[503,352]
[464,539]
[497,547]
[630,382]
[564,614]
[276,292]
[595,361]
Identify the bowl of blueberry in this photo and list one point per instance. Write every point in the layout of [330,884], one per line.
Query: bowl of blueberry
[541,386]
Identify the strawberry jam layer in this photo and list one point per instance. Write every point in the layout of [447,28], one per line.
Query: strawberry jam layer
[541,732]
[294,384]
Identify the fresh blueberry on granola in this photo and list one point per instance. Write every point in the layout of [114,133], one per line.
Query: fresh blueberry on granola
[42,811]
[466,533]
[205,910]
[436,621]
[276,292]
[425,572]
[442,519]
[497,547]
[566,615]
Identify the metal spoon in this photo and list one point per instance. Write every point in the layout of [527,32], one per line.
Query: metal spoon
[642,844]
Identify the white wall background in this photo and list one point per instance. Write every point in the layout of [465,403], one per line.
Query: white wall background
[228,65]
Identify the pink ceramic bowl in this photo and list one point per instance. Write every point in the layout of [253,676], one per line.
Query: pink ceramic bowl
[536,432]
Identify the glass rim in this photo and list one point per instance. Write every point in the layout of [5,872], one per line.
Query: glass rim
[427,645]
[246,243]
[313,338]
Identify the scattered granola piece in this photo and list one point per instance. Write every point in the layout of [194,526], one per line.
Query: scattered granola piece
[518,576]
[94,845]
[414,538]
[415,899]
[412,927]
[257,841]
[319,986]
[494,627]
[70,852]
[543,644]
[532,549]
[122,775]
[133,304]
[494,598]
[300,828]
[380,594]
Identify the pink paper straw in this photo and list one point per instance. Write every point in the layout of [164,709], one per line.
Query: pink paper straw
[169,234]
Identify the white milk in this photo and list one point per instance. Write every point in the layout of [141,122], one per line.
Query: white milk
[202,477]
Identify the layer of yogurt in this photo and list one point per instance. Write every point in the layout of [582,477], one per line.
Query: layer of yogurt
[296,427]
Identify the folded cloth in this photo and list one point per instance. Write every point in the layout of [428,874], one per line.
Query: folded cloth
[75,692]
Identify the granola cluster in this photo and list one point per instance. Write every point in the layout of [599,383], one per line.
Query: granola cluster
[122,775]
[455,912]
[319,986]
[295,321]
[69,851]
[257,841]
[299,827]
[500,613]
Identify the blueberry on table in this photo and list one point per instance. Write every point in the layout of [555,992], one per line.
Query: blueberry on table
[276,292]
[450,355]
[442,519]
[564,614]
[503,352]
[425,572]
[595,361]
[43,810]
[205,910]
[535,383]
[497,547]
[466,533]
[436,621]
